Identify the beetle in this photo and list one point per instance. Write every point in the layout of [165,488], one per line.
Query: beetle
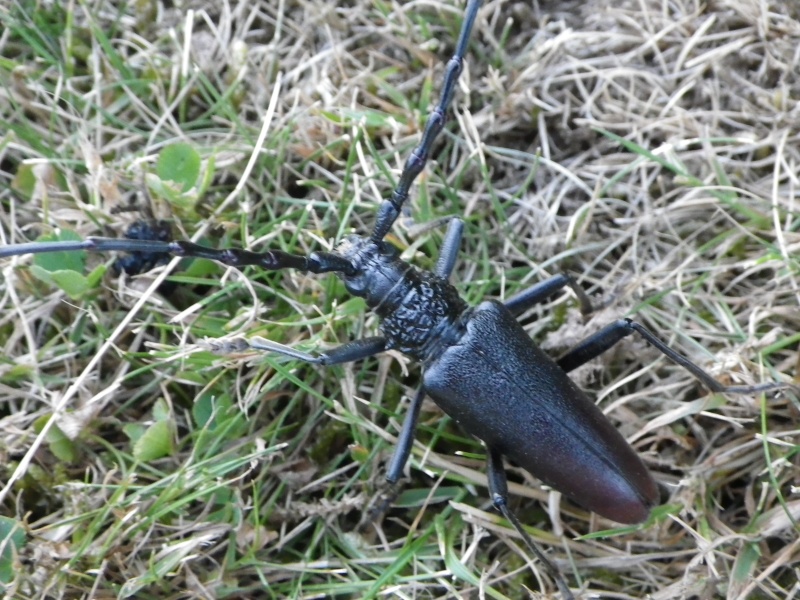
[470,357]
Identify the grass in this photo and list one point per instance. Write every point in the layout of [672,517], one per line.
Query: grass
[648,147]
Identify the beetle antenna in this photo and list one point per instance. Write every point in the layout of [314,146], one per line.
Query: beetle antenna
[416,161]
[271,260]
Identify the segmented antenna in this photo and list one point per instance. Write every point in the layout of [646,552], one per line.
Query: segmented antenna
[271,260]
[416,161]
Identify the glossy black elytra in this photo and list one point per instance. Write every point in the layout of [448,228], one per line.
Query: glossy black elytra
[478,364]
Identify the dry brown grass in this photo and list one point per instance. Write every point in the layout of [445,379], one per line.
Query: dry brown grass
[689,222]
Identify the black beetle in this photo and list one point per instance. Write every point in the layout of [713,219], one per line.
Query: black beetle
[478,364]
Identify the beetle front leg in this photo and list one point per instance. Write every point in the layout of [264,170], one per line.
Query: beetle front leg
[349,352]
[498,490]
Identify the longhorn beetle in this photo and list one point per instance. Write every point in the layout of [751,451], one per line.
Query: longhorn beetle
[477,363]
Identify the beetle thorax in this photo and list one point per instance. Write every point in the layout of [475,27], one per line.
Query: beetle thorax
[418,309]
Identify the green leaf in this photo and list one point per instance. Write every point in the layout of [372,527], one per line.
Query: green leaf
[134,431]
[12,538]
[28,176]
[60,445]
[370,118]
[156,442]
[161,410]
[417,497]
[65,269]
[657,515]
[359,453]
[451,561]
[24,181]
[171,192]
[96,276]
[744,568]
[61,261]
[211,411]
[180,163]
[74,284]
[203,410]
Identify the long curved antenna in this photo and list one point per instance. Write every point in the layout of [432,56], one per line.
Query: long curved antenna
[390,209]
[271,260]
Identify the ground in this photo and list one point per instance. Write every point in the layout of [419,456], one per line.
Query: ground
[649,147]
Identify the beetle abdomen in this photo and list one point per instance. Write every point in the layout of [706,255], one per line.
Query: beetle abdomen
[541,419]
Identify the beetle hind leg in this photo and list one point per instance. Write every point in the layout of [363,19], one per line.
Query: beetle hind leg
[498,489]
[597,343]
[394,471]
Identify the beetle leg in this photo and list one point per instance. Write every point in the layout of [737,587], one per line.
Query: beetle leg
[397,463]
[349,352]
[449,251]
[406,439]
[498,489]
[539,292]
[596,344]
